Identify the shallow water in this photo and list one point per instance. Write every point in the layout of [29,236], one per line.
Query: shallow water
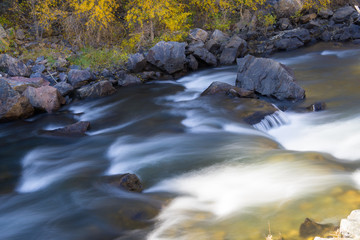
[207,175]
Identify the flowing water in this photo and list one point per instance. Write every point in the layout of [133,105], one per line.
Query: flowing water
[207,175]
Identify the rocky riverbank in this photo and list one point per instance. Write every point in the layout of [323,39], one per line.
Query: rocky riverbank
[32,87]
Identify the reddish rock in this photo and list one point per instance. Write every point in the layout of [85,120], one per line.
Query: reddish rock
[74,130]
[21,83]
[227,89]
[12,104]
[44,98]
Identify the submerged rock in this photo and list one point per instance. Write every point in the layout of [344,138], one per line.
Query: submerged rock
[268,77]
[316,107]
[127,181]
[167,56]
[227,89]
[74,130]
[310,228]
[12,104]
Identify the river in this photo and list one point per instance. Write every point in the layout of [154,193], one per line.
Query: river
[206,174]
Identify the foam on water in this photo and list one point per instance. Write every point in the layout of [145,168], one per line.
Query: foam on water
[234,189]
[44,166]
[314,132]
[341,53]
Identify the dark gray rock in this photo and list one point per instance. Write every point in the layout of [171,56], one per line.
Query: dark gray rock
[326,36]
[38,68]
[64,88]
[227,89]
[288,44]
[301,33]
[284,23]
[268,77]
[198,34]
[193,63]
[205,56]
[127,181]
[212,46]
[74,130]
[167,56]
[13,66]
[36,75]
[316,107]
[12,104]
[325,13]
[343,14]
[63,77]
[145,76]
[193,46]
[354,31]
[99,89]
[128,79]
[136,63]
[78,78]
[236,47]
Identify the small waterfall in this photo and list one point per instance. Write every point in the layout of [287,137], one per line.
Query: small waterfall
[274,120]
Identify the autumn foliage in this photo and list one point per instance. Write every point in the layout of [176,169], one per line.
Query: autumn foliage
[132,23]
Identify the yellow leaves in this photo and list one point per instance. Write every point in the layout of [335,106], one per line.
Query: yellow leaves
[316,4]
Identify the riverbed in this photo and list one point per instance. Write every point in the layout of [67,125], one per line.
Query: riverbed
[207,175]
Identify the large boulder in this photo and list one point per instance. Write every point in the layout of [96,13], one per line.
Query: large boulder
[205,56]
[167,56]
[127,181]
[12,104]
[227,89]
[21,83]
[13,66]
[44,98]
[268,77]
[236,47]
[136,63]
[73,130]
[78,78]
[343,14]
[198,34]
[99,89]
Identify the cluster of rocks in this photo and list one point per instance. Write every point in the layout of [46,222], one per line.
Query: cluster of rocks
[291,33]
[36,86]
